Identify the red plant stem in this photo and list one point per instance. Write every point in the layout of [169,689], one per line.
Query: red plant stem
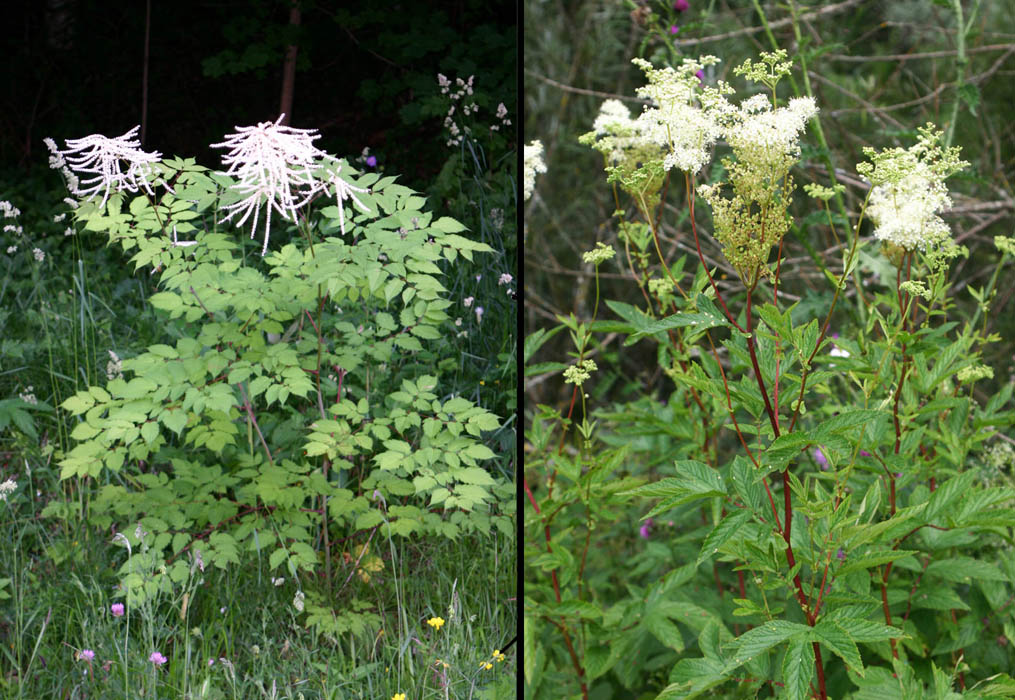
[556,591]
[820,668]
[821,590]
[790,559]
[570,411]
[250,413]
[743,441]
[898,437]
[697,245]
[773,419]
[775,303]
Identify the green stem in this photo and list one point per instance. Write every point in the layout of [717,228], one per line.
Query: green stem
[960,62]
[989,291]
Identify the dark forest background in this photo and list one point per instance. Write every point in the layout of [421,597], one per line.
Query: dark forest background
[76,67]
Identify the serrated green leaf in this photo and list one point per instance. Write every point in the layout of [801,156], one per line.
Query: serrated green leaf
[277,557]
[831,634]
[865,560]
[723,532]
[786,447]
[757,641]
[798,669]
[149,431]
[138,387]
[964,569]
[447,225]
[79,403]
[867,631]
[692,677]
[475,475]
[576,608]
[696,321]
[174,419]
[167,301]
[84,431]
[947,494]
[845,421]
[665,631]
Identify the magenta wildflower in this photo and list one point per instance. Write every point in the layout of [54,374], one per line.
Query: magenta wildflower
[157,658]
[372,161]
[865,453]
[681,5]
[646,529]
[840,555]
[820,458]
[674,29]
[116,609]
[86,654]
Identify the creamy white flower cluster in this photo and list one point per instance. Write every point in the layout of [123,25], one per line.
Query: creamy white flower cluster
[769,138]
[766,145]
[689,126]
[533,164]
[626,142]
[685,119]
[909,191]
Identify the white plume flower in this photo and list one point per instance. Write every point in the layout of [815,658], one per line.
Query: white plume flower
[103,157]
[343,190]
[273,164]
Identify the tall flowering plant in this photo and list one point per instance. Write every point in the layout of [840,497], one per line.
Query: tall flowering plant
[811,508]
[294,383]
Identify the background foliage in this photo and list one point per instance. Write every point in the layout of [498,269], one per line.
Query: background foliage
[878,71]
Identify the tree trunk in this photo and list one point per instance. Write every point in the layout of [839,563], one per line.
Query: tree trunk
[289,69]
[60,24]
[144,70]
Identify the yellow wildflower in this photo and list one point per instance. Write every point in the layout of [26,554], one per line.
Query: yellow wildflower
[435,622]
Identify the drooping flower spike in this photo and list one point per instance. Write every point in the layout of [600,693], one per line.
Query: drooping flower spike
[343,190]
[274,165]
[104,157]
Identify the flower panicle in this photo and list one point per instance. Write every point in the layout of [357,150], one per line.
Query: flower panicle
[908,191]
[533,164]
[274,164]
[277,167]
[103,158]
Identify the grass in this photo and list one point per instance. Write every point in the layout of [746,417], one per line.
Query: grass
[234,634]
